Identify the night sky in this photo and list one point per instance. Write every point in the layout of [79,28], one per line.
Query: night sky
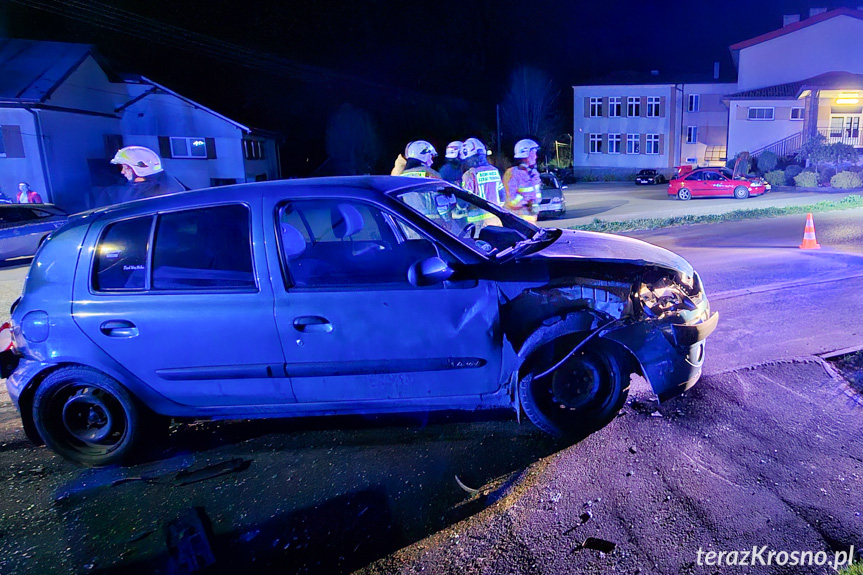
[431,70]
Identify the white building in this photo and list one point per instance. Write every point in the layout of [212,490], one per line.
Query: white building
[793,83]
[63,115]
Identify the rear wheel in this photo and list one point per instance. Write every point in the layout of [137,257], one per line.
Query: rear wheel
[741,192]
[86,416]
[581,396]
[683,194]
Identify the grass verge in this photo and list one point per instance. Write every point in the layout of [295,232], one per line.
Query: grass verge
[597,225]
[855,569]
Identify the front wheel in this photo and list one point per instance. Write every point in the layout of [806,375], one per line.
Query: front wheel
[741,192]
[683,194]
[86,416]
[581,396]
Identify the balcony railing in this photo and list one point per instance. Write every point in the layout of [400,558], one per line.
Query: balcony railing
[852,137]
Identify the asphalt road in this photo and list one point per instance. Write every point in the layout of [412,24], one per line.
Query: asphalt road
[762,452]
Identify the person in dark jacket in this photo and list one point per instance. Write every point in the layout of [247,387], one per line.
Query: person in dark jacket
[143,170]
[452,170]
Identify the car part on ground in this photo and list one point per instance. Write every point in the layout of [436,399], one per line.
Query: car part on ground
[324,281]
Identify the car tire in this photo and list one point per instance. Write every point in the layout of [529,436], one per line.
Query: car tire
[87,417]
[556,406]
[741,192]
[683,194]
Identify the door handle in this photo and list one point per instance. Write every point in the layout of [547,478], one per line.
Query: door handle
[119,328]
[312,324]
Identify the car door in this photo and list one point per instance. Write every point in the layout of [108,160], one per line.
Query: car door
[717,184]
[696,185]
[189,316]
[353,327]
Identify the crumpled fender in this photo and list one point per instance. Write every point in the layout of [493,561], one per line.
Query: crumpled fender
[669,369]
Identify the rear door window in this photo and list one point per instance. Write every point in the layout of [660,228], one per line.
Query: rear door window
[206,248]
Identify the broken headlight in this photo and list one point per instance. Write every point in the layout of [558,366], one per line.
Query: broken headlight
[667,295]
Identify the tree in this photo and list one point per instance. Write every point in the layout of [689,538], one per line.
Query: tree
[530,107]
[352,143]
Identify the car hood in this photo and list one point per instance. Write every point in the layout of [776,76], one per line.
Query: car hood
[595,246]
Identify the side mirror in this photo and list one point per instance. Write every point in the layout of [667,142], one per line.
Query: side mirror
[429,272]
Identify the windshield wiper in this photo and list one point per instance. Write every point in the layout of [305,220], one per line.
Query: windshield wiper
[537,237]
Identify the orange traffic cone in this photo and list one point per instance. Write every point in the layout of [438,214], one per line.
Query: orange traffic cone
[809,242]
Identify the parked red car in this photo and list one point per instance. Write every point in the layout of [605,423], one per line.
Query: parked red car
[715,182]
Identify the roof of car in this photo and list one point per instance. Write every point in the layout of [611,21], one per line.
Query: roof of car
[359,186]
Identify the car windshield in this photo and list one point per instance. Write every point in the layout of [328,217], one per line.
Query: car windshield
[478,224]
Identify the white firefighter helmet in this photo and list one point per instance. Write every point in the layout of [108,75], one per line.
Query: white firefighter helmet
[143,161]
[523,148]
[472,147]
[452,149]
[420,150]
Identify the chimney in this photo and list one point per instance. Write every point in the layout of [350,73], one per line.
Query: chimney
[716,70]
[790,19]
[816,11]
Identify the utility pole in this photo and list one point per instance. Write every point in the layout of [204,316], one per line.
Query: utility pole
[499,144]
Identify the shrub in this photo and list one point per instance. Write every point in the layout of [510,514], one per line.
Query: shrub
[846,180]
[767,162]
[806,180]
[775,177]
[589,178]
[791,172]
[825,174]
[609,177]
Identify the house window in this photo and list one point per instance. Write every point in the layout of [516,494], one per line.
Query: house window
[595,107]
[653,107]
[614,143]
[694,101]
[596,143]
[614,106]
[253,149]
[652,144]
[691,134]
[632,144]
[760,113]
[796,113]
[188,148]
[633,106]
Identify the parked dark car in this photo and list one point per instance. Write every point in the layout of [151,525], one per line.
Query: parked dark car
[23,227]
[649,177]
[553,202]
[350,295]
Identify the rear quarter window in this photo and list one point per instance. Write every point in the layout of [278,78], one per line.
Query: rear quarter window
[121,256]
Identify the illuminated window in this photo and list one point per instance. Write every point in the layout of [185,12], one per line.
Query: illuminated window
[691,134]
[614,105]
[694,102]
[760,113]
[796,113]
[188,148]
[614,143]
[596,143]
[595,107]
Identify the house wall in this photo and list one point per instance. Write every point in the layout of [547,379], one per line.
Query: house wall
[584,125]
[832,45]
[751,135]
[28,168]
[711,121]
[167,116]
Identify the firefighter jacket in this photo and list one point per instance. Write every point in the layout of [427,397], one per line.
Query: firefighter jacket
[523,186]
[485,182]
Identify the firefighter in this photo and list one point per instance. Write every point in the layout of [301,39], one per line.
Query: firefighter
[419,156]
[523,183]
[482,179]
[451,171]
[143,170]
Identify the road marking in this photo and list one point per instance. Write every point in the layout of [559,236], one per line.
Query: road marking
[723,295]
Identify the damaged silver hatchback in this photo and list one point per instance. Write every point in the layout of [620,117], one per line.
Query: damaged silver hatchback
[338,296]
